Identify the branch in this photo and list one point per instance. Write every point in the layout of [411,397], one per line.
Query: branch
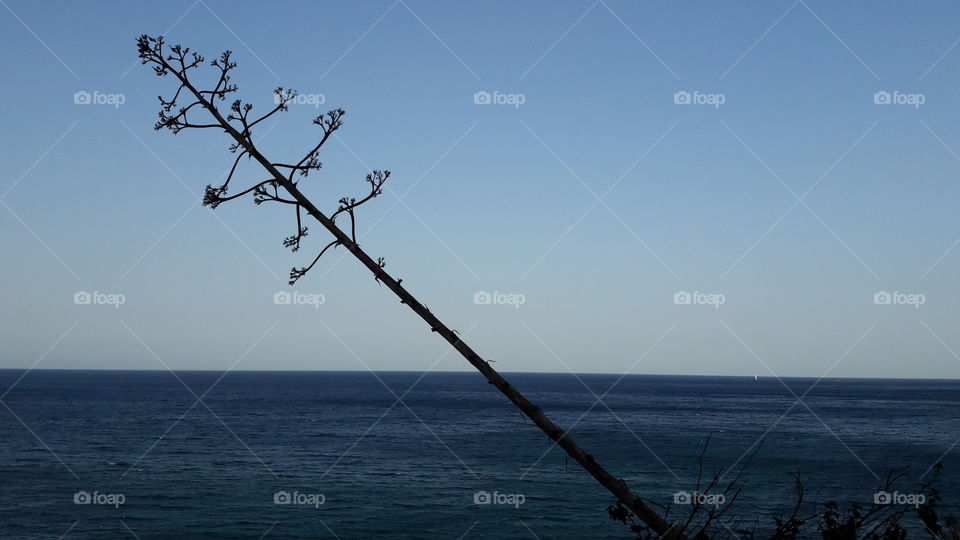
[151,51]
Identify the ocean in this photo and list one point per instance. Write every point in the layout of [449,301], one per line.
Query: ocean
[140,454]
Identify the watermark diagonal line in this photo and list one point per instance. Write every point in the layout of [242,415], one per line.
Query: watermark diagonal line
[643,156]
[599,399]
[842,243]
[954,354]
[441,441]
[641,240]
[939,59]
[437,236]
[527,527]
[642,42]
[158,439]
[38,239]
[40,358]
[599,199]
[37,437]
[198,198]
[842,42]
[396,202]
[64,535]
[198,399]
[127,527]
[419,178]
[560,160]
[759,238]
[819,20]
[800,398]
[939,459]
[399,400]
[818,379]
[266,532]
[942,342]
[241,441]
[245,245]
[800,199]
[399,200]
[603,395]
[434,34]
[42,42]
[559,39]
[160,238]
[841,441]
[760,438]
[39,159]
[327,527]
[470,528]
[732,532]
[359,39]
[840,158]
[242,42]
[940,258]
[759,39]
[356,442]
[957,157]
[162,161]
[940,140]
[560,238]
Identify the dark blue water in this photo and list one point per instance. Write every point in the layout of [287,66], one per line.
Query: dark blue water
[411,469]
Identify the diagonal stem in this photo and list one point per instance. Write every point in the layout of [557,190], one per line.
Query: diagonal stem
[614,485]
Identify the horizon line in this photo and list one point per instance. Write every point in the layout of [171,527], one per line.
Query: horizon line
[748,376]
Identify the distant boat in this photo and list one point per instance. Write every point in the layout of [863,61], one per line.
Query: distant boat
[755,377]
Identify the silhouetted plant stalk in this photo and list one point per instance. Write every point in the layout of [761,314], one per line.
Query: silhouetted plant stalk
[281,186]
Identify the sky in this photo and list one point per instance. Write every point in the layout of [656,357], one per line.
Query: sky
[730,188]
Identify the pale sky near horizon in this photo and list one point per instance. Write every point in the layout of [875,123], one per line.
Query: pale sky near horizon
[816,170]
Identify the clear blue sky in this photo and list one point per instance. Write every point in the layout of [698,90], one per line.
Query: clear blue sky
[497,197]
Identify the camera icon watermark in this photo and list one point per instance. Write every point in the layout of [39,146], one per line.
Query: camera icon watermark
[83,97]
[687,298]
[314,100]
[484,298]
[296,298]
[897,298]
[698,98]
[496,98]
[898,98]
[97,298]
[109,499]
[699,499]
[510,499]
[906,499]
[297,498]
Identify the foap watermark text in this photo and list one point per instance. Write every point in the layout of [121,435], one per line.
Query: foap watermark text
[699,499]
[511,499]
[899,98]
[697,298]
[314,100]
[497,98]
[97,298]
[907,499]
[98,98]
[897,298]
[108,499]
[296,298]
[698,98]
[297,498]
[483,298]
